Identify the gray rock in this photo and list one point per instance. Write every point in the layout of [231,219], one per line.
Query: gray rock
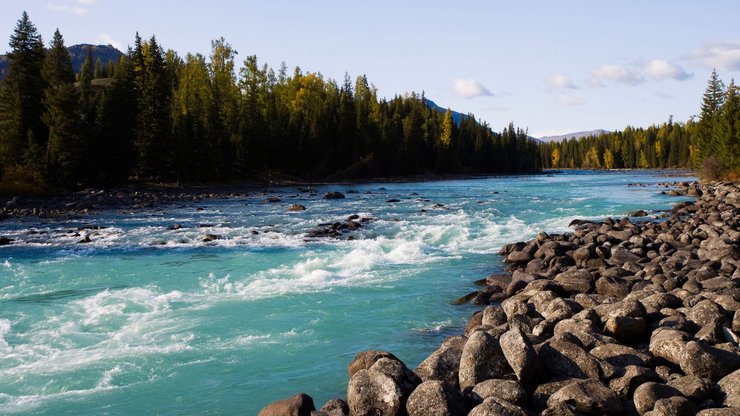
[298,405]
[668,344]
[729,388]
[715,249]
[587,396]
[443,364]
[560,309]
[568,359]
[692,387]
[543,392]
[612,286]
[493,407]
[576,280]
[647,394]
[706,312]
[481,359]
[726,411]
[518,257]
[335,407]
[506,390]
[334,195]
[622,356]
[702,360]
[435,398]
[620,256]
[493,316]
[366,359]
[521,356]
[673,406]
[633,377]
[626,329]
[296,208]
[380,390]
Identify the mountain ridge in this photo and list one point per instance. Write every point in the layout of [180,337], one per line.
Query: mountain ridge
[78,53]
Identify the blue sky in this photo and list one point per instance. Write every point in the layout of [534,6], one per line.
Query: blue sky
[551,66]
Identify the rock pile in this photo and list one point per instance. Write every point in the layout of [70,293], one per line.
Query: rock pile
[620,317]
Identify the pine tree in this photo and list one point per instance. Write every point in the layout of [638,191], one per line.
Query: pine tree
[711,106]
[61,115]
[726,130]
[21,96]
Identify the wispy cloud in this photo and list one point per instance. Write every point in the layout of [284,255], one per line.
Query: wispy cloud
[106,39]
[614,73]
[724,55]
[569,100]
[87,1]
[470,88]
[661,69]
[62,8]
[560,82]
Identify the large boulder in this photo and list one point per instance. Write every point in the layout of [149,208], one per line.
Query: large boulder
[587,396]
[381,390]
[335,407]
[521,356]
[622,356]
[568,359]
[729,389]
[444,363]
[576,280]
[705,312]
[649,393]
[506,390]
[626,328]
[334,195]
[366,359]
[702,360]
[481,359]
[494,407]
[668,344]
[298,405]
[693,387]
[633,377]
[435,398]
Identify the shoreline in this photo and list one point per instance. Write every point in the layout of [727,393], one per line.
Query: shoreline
[72,204]
[618,317]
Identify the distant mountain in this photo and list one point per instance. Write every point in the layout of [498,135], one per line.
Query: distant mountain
[569,136]
[106,53]
[456,117]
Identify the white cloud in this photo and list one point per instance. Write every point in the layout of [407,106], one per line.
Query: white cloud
[721,55]
[106,39]
[87,1]
[569,100]
[616,73]
[661,69]
[78,10]
[469,88]
[560,82]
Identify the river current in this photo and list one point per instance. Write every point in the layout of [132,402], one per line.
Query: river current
[148,318]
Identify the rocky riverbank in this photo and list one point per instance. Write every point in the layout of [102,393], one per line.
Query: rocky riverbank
[620,317]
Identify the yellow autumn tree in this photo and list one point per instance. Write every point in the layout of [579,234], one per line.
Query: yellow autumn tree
[608,159]
[555,157]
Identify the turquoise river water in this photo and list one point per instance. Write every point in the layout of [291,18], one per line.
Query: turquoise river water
[151,320]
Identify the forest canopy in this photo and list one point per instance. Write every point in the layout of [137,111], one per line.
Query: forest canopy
[157,116]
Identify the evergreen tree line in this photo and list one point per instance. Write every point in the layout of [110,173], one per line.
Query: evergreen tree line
[659,146]
[709,142]
[196,119]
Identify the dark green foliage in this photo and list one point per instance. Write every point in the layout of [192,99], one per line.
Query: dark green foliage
[155,116]
[22,131]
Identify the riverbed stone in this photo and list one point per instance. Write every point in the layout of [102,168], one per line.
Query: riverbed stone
[702,360]
[588,397]
[521,356]
[435,398]
[366,359]
[298,405]
[647,394]
[481,359]
[494,407]
[506,390]
[444,363]
[568,359]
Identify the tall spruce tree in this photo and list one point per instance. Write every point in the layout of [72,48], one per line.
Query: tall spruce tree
[711,106]
[23,134]
[61,115]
